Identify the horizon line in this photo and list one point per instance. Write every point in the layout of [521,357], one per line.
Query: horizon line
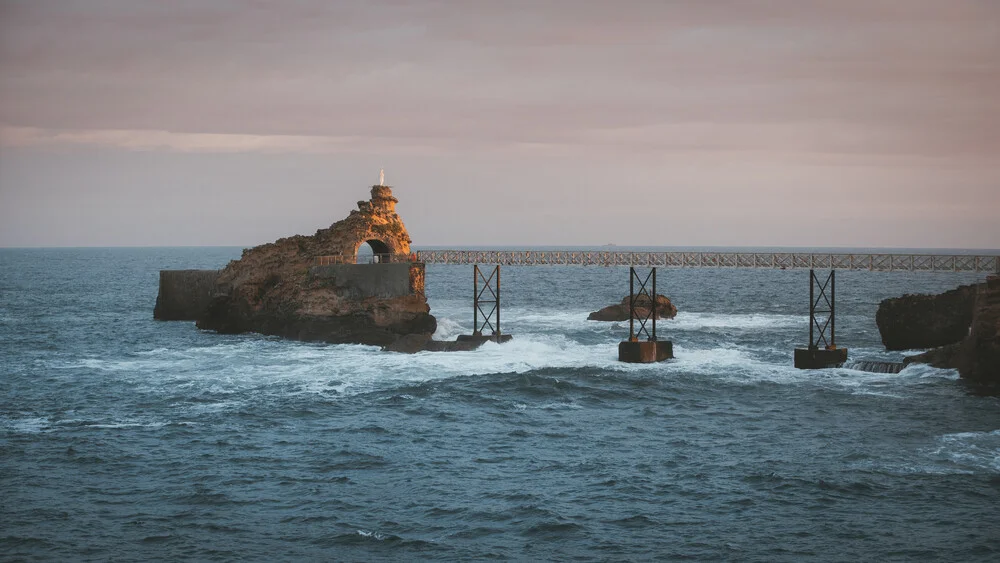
[608,247]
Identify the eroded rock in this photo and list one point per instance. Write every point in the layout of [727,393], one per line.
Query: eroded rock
[619,312]
[308,287]
[977,355]
[926,321]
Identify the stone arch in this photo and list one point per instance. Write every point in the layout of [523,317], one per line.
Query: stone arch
[381,252]
[374,222]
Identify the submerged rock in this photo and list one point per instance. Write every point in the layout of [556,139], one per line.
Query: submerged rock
[876,366]
[943,357]
[413,343]
[926,321]
[309,288]
[619,312]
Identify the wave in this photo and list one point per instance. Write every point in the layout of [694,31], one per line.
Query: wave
[449,329]
[214,373]
[36,425]
[972,451]
[874,366]
[533,320]
[712,322]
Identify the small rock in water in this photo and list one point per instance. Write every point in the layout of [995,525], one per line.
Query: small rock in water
[876,366]
[619,311]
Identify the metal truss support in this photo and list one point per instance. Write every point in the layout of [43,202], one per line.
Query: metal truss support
[822,351]
[634,299]
[491,285]
[485,310]
[823,304]
[652,350]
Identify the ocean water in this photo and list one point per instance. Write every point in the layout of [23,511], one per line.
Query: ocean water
[127,439]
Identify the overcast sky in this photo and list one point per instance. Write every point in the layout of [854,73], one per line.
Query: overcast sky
[688,122]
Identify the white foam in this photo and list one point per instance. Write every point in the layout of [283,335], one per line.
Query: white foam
[449,329]
[123,425]
[541,341]
[30,425]
[34,425]
[369,534]
[924,371]
[713,322]
[972,451]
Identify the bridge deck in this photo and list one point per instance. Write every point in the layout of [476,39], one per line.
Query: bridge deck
[776,260]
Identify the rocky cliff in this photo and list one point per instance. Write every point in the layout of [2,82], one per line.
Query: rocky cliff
[926,321]
[184,294]
[279,289]
[977,355]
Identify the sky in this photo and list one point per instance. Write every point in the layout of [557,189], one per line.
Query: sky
[855,123]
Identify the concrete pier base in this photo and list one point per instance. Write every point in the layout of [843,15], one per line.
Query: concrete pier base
[818,358]
[635,352]
[480,338]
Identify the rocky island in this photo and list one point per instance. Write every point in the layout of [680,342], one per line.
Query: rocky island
[311,288]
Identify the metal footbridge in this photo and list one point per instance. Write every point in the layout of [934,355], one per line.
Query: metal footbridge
[882,262]
[822,350]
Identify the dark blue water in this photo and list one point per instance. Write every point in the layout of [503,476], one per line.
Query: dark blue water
[127,439]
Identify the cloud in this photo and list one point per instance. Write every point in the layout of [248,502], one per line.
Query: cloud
[158,140]
[903,77]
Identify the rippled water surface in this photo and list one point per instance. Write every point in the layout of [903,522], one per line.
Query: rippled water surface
[123,438]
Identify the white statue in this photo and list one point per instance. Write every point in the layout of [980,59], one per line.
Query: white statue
[381,176]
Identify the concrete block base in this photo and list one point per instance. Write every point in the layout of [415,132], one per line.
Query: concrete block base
[635,352]
[817,358]
[480,338]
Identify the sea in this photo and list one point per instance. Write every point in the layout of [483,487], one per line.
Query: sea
[123,438]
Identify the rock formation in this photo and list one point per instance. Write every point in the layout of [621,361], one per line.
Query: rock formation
[184,294]
[619,312]
[977,355]
[308,287]
[926,321]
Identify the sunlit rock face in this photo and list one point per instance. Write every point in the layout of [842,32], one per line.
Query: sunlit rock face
[308,287]
[374,221]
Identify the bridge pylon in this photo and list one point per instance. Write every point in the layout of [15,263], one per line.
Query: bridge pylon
[822,351]
[487,296]
[651,350]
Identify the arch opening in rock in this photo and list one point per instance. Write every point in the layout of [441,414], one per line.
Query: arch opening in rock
[373,251]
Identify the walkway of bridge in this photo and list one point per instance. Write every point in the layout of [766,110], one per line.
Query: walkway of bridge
[776,260]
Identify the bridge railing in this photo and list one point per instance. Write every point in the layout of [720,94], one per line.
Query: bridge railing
[371,259]
[775,260]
